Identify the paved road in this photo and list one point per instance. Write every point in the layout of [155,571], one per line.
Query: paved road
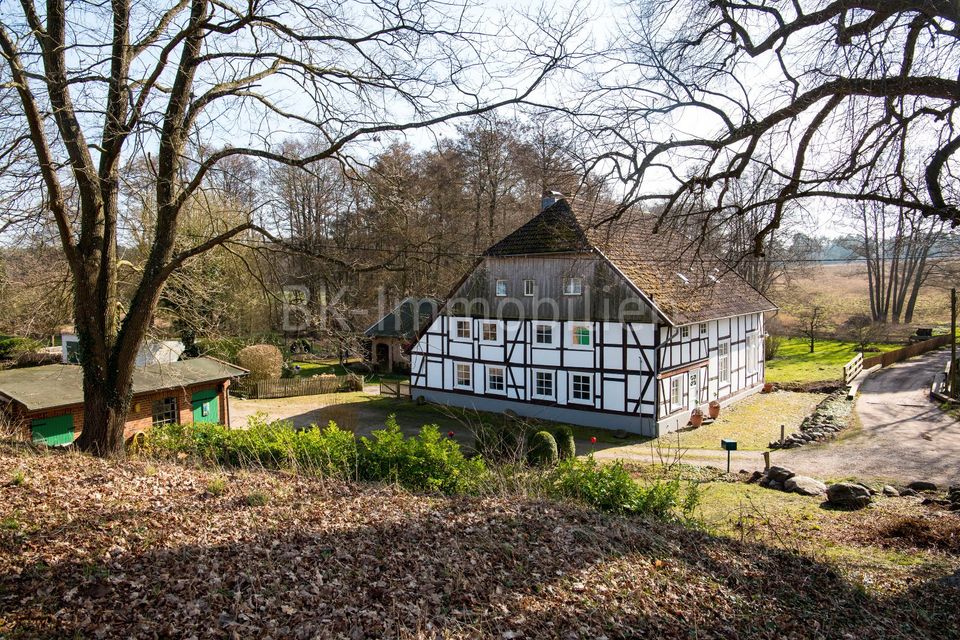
[904,435]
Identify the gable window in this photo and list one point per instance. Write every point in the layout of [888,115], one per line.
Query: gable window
[463,329]
[165,411]
[581,336]
[572,286]
[684,332]
[676,392]
[703,329]
[544,334]
[463,375]
[582,386]
[543,384]
[495,379]
[723,361]
[529,286]
[501,288]
[490,331]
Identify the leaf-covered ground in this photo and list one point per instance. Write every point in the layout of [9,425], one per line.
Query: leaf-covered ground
[92,548]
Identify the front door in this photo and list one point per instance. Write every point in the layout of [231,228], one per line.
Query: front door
[694,395]
[206,406]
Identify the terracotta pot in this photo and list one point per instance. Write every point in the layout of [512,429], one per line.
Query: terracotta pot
[696,419]
[714,409]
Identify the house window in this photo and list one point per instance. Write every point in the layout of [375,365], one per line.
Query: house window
[463,375]
[582,386]
[684,332]
[490,331]
[544,334]
[753,353]
[581,336]
[501,288]
[543,384]
[572,286]
[165,411]
[676,392]
[495,378]
[723,361]
[528,287]
[703,328]
[463,329]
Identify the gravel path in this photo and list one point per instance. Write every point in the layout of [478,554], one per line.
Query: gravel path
[904,436]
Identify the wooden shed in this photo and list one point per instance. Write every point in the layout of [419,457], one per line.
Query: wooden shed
[392,336]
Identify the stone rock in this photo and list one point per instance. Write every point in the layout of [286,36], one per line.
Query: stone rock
[940,502]
[775,485]
[779,474]
[804,485]
[890,492]
[754,477]
[922,485]
[907,492]
[848,495]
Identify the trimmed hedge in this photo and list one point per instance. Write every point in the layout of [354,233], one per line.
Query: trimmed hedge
[566,445]
[543,449]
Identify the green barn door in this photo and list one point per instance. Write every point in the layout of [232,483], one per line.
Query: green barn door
[206,406]
[53,431]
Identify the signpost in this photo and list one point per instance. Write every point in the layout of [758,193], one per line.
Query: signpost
[728,445]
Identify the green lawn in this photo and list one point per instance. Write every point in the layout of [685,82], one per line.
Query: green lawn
[752,422]
[334,367]
[795,363]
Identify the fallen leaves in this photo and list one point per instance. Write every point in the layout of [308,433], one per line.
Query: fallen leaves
[131,549]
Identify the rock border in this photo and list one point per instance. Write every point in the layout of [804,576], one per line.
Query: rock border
[831,416]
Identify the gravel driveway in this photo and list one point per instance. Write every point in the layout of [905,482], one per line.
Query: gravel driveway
[904,436]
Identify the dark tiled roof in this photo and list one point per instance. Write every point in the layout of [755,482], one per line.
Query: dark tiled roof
[682,279]
[61,385]
[405,320]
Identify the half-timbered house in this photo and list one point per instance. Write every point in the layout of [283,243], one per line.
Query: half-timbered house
[599,323]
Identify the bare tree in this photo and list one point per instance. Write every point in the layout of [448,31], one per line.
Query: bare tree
[813,322]
[823,99]
[99,83]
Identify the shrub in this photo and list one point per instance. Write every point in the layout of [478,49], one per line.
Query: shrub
[11,347]
[263,361]
[498,444]
[217,486]
[222,348]
[542,451]
[428,461]
[566,445]
[609,487]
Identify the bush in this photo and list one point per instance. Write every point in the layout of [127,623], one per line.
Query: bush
[221,348]
[12,347]
[566,445]
[263,361]
[609,487]
[542,450]
[498,444]
[429,461]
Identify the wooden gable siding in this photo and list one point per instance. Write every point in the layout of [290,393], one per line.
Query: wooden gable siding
[606,297]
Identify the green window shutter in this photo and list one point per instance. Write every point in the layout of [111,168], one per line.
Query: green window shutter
[53,431]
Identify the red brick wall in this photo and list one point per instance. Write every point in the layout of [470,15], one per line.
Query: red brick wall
[140,415]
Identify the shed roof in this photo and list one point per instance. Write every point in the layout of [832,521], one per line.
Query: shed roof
[61,385]
[682,279]
[406,319]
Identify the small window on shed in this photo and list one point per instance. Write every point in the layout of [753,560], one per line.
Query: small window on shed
[501,288]
[529,287]
[572,286]
[165,411]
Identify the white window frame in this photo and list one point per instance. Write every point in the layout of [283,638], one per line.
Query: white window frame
[553,384]
[577,379]
[498,372]
[529,288]
[501,288]
[704,329]
[572,286]
[496,331]
[536,333]
[676,393]
[169,411]
[461,324]
[723,361]
[684,332]
[581,327]
[753,354]
[465,382]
